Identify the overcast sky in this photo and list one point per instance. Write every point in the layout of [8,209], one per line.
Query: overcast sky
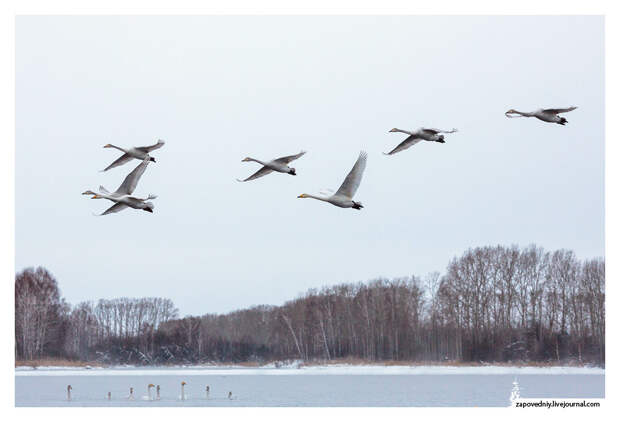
[218,89]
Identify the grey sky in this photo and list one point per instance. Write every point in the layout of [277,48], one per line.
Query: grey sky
[218,89]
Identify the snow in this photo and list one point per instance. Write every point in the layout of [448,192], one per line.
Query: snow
[295,369]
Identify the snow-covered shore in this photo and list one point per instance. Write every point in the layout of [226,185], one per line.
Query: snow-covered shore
[295,369]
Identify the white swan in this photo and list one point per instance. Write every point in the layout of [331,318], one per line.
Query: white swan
[421,134]
[343,197]
[139,153]
[279,164]
[149,395]
[549,115]
[122,197]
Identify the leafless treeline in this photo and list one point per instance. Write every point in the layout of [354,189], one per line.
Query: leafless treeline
[493,304]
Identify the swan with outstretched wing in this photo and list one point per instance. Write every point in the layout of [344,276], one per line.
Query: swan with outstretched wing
[279,164]
[343,197]
[122,197]
[139,153]
[549,115]
[415,136]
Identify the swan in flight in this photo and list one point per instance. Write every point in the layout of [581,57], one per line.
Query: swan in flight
[343,197]
[279,164]
[421,134]
[549,115]
[122,197]
[139,153]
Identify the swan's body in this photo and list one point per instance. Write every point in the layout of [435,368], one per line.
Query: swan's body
[279,164]
[150,395]
[421,134]
[69,388]
[549,115]
[343,197]
[122,197]
[139,153]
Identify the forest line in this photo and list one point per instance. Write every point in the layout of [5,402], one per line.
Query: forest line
[492,304]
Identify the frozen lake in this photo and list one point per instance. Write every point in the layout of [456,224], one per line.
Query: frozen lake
[312,386]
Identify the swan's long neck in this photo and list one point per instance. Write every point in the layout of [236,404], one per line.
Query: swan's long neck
[114,146]
[320,198]
[402,131]
[524,113]
[255,160]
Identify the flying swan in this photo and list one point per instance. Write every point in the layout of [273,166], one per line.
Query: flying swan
[122,197]
[279,164]
[139,153]
[343,197]
[421,134]
[549,115]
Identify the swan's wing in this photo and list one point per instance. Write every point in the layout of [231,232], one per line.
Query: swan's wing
[436,131]
[353,179]
[289,158]
[119,162]
[150,148]
[119,206]
[558,110]
[260,173]
[132,179]
[410,141]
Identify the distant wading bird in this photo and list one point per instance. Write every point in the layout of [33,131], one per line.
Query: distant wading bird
[421,134]
[279,164]
[549,115]
[343,197]
[122,197]
[139,153]
[69,388]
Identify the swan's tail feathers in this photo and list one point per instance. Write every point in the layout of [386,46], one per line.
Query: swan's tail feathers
[103,190]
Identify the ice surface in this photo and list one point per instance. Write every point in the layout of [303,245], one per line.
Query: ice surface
[328,386]
[293,369]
